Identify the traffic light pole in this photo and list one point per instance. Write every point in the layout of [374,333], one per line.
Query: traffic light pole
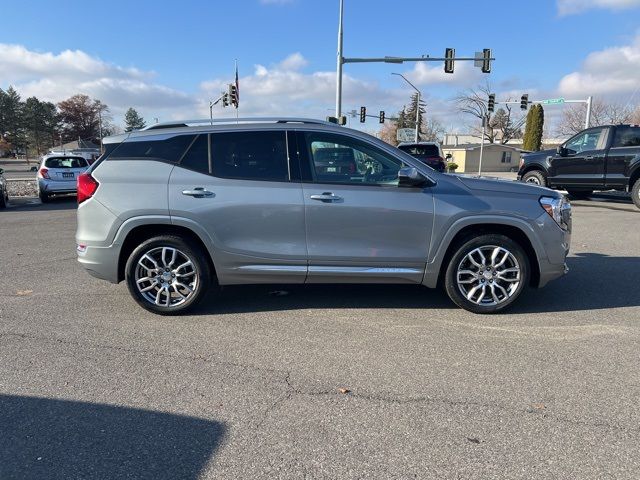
[588,101]
[485,61]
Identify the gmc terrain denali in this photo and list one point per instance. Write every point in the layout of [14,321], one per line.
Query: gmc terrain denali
[175,208]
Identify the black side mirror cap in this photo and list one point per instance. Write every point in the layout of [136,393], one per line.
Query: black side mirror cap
[561,151]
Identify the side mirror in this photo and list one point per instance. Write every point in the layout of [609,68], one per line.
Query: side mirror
[561,151]
[411,177]
[33,169]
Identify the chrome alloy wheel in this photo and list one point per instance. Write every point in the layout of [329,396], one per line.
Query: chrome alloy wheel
[533,179]
[488,275]
[166,277]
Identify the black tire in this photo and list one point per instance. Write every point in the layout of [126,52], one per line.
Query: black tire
[535,177]
[635,193]
[4,199]
[44,198]
[580,194]
[186,247]
[489,241]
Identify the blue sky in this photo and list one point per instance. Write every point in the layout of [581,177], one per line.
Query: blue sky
[167,58]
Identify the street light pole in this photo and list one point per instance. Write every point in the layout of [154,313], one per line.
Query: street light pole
[587,121]
[417,105]
[339,65]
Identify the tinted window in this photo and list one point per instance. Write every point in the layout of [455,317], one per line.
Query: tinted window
[250,155]
[627,137]
[170,150]
[340,159]
[589,140]
[65,162]
[197,157]
[421,150]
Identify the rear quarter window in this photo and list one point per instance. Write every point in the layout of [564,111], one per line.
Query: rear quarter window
[169,150]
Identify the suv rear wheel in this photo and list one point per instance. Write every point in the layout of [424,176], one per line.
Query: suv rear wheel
[635,193]
[487,273]
[168,274]
[536,177]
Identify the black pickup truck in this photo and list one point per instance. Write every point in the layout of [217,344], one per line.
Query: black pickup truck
[598,158]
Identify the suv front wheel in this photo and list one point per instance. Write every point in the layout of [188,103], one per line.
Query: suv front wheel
[168,274]
[487,274]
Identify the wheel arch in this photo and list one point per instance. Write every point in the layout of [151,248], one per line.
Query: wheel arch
[634,177]
[140,233]
[532,167]
[457,236]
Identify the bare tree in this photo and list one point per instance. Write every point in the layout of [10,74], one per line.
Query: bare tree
[501,126]
[388,133]
[433,130]
[602,113]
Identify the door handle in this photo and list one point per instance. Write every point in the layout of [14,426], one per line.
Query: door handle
[326,197]
[198,192]
[589,157]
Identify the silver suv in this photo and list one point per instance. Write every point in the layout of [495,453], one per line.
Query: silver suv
[176,208]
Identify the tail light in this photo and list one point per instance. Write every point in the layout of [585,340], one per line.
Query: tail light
[44,172]
[87,186]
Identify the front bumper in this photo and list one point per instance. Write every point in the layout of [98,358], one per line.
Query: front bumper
[557,243]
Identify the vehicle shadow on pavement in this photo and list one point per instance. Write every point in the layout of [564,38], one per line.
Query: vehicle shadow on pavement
[42,438]
[594,282]
[264,298]
[68,202]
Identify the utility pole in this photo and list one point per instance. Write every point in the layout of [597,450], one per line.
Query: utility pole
[417,136]
[484,125]
[587,121]
[100,127]
[339,65]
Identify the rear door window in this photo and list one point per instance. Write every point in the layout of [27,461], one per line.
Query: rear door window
[168,150]
[627,137]
[250,155]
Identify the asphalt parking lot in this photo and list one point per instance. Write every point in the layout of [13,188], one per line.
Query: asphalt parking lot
[324,381]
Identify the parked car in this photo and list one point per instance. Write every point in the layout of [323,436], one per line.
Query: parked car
[4,193]
[598,158]
[58,174]
[429,153]
[174,208]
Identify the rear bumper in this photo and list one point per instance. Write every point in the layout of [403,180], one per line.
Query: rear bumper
[100,262]
[52,186]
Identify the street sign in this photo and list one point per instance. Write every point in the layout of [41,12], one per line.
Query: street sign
[552,101]
[406,134]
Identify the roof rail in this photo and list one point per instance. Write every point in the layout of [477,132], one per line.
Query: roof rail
[222,121]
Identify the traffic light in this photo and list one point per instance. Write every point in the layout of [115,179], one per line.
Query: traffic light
[381,118]
[363,114]
[491,105]
[225,99]
[233,95]
[524,101]
[449,55]
[486,60]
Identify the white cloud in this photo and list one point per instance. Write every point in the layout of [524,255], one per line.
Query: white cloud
[570,7]
[54,77]
[613,71]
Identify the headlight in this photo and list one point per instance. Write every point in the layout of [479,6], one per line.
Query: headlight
[559,209]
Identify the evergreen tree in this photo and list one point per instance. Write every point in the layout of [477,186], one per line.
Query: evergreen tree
[534,128]
[528,129]
[12,119]
[133,121]
[410,115]
[40,121]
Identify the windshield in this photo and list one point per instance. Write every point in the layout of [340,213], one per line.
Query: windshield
[421,150]
[65,162]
